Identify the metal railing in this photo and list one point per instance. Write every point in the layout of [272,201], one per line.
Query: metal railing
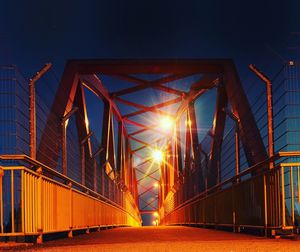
[40,200]
[269,200]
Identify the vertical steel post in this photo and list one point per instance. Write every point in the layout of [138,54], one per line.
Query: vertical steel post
[282,198]
[298,179]
[292,196]
[22,200]
[265,205]
[64,124]
[70,233]
[12,201]
[268,83]
[32,109]
[39,206]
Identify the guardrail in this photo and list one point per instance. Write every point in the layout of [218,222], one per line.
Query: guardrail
[33,204]
[268,200]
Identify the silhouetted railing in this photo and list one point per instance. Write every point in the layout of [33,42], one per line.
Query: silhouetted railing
[267,200]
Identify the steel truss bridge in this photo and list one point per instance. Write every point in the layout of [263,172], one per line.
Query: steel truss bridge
[245,176]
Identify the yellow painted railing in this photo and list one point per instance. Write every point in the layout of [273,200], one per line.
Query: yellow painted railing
[38,204]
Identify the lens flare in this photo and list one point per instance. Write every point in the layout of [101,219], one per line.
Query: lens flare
[166,123]
[157,155]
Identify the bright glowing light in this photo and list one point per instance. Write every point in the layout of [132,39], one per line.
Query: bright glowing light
[188,122]
[166,123]
[155,214]
[154,223]
[157,155]
[156,185]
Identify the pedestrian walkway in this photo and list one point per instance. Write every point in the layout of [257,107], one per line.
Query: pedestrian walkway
[161,238]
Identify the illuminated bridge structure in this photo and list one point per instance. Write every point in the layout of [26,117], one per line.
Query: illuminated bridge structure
[183,142]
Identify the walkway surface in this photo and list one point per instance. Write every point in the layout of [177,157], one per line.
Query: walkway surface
[166,239]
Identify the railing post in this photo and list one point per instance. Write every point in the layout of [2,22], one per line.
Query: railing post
[265,206]
[39,207]
[298,182]
[70,233]
[292,195]
[12,187]
[282,198]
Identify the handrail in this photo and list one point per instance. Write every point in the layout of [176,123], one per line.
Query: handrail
[25,158]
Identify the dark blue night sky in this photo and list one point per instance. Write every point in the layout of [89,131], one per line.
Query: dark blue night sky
[35,32]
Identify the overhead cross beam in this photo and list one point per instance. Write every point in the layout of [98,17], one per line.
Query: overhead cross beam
[149,204]
[143,126]
[145,146]
[147,189]
[147,175]
[155,107]
[156,84]
[142,107]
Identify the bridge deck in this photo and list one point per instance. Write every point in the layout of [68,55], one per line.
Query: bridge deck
[167,239]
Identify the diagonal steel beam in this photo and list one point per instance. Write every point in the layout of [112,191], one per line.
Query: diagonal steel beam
[171,90]
[144,108]
[139,141]
[143,84]
[138,149]
[143,126]
[144,162]
[147,189]
[149,204]
[139,131]
[156,106]
[148,175]
[138,155]
[143,147]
